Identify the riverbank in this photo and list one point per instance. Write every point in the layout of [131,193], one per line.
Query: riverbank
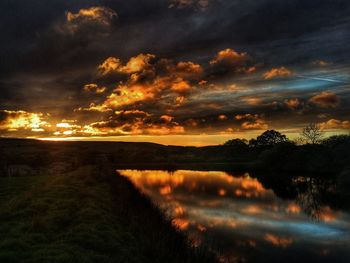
[86,215]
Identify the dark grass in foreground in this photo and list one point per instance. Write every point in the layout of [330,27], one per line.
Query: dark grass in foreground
[86,215]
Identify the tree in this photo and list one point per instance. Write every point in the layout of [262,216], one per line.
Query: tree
[337,140]
[269,138]
[312,133]
[236,142]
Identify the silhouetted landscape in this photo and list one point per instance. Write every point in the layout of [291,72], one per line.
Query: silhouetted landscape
[65,202]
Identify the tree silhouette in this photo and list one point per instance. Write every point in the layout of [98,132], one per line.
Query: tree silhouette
[236,142]
[268,138]
[312,133]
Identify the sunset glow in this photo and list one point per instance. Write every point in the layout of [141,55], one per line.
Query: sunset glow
[87,64]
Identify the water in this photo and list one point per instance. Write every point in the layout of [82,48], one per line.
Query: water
[241,220]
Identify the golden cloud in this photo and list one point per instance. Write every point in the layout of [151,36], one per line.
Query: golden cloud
[188,69]
[181,86]
[252,122]
[335,124]
[278,72]
[167,118]
[325,99]
[94,88]
[17,120]
[134,65]
[258,124]
[253,101]
[134,122]
[148,79]
[138,63]
[126,95]
[222,117]
[110,65]
[230,57]
[98,15]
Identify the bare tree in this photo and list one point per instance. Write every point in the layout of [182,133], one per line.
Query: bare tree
[312,133]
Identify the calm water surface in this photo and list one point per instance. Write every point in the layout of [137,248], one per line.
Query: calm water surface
[242,221]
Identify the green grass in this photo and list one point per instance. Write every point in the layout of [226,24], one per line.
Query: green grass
[84,216]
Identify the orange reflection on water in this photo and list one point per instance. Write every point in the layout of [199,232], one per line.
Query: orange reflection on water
[181,223]
[236,211]
[220,183]
[327,215]
[165,190]
[293,208]
[278,241]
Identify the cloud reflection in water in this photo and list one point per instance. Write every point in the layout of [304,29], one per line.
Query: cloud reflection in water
[236,214]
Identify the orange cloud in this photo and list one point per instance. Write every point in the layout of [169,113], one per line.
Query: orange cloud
[335,124]
[125,95]
[278,72]
[292,104]
[252,122]
[94,88]
[134,122]
[189,70]
[98,15]
[16,120]
[255,125]
[230,57]
[138,63]
[253,101]
[222,117]
[166,118]
[134,65]
[325,99]
[148,79]
[181,86]
[110,65]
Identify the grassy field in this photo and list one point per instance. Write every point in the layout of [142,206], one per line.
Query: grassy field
[87,215]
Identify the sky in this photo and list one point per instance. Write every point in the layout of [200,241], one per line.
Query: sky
[186,72]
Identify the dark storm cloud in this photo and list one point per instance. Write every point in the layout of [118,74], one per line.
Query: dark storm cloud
[278,59]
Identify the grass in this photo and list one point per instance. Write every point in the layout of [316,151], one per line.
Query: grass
[85,216]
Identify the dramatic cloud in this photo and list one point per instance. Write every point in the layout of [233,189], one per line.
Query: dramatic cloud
[93,16]
[147,79]
[252,122]
[278,73]
[22,120]
[174,66]
[110,65]
[229,60]
[134,122]
[94,88]
[325,99]
[335,124]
